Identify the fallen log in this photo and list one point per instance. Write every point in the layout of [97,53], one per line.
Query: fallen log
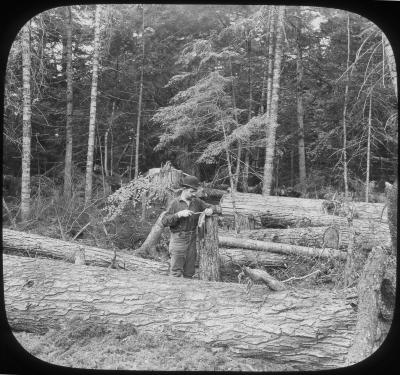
[289,211]
[310,236]
[230,257]
[305,329]
[281,248]
[366,236]
[34,245]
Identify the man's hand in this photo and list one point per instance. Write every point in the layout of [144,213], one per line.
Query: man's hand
[208,211]
[184,213]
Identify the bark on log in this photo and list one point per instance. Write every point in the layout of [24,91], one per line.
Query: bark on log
[307,329]
[230,257]
[291,210]
[368,306]
[367,233]
[207,246]
[281,248]
[311,236]
[34,245]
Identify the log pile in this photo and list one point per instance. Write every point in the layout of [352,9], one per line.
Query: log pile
[368,234]
[290,211]
[303,329]
[304,222]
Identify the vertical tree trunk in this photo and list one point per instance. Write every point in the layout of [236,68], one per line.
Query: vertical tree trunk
[106,140]
[273,112]
[391,62]
[245,184]
[265,74]
[231,178]
[246,162]
[140,102]
[300,110]
[26,123]
[346,94]
[368,148]
[207,237]
[239,154]
[93,97]
[68,127]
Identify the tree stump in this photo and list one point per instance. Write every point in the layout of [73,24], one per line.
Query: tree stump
[207,247]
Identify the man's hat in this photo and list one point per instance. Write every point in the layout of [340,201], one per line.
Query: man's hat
[190,182]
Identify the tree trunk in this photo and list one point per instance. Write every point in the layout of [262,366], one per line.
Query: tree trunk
[281,248]
[307,329]
[207,247]
[391,62]
[368,149]
[368,307]
[92,116]
[263,103]
[68,126]
[289,210]
[107,173]
[26,123]
[140,103]
[346,94]
[33,245]
[272,119]
[300,110]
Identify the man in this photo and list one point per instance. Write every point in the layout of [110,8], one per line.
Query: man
[182,217]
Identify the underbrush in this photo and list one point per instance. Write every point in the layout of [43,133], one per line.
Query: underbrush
[95,346]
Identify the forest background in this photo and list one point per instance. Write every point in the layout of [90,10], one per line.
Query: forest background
[294,97]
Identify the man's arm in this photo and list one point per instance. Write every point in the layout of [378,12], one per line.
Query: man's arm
[171,217]
[204,205]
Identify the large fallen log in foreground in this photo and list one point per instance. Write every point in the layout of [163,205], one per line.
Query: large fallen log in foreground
[304,329]
[292,210]
[317,236]
[281,248]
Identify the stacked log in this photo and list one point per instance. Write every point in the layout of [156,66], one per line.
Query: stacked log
[289,211]
[230,257]
[281,248]
[302,329]
[368,234]
[299,221]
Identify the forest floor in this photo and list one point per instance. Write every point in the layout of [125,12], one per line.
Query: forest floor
[126,349]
